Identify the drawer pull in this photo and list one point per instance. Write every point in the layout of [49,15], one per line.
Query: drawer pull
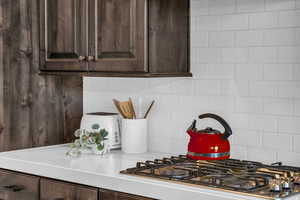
[59,199]
[15,188]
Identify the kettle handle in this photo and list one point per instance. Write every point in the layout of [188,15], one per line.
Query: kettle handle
[226,126]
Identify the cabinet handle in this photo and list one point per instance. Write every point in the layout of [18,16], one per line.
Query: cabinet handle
[81,58]
[15,188]
[59,199]
[1,129]
[91,58]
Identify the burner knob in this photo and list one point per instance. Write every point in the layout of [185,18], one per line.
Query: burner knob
[296,178]
[287,183]
[276,185]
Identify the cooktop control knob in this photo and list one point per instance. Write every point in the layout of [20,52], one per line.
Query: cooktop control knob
[287,183]
[287,180]
[275,185]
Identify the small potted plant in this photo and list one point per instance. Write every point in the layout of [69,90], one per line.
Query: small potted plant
[94,141]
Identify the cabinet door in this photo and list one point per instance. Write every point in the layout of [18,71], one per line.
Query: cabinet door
[169,36]
[63,35]
[15,186]
[117,35]
[56,190]
[112,195]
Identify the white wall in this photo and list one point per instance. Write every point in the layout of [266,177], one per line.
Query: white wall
[246,64]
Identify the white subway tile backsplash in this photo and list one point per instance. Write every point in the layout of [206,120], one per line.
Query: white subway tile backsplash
[277,141]
[278,106]
[296,143]
[245,62]
[214,71]
[208,55]
[263,20]
[208,23]
[221,39]
[234,55]
[249,105]
[94,84]
[297,3]
[247,138]
[289,125]
[249,38]
[289,158]
[249,71]
[289,18]
[263,89]
[250,6]
[207,87]
[238,151]
[274,72]
[296,71]
[279,37]
[262,54]
[200,7]
[288,54]
[262,155]
[297,107]
[182,87]
[297,36]
[235,22]
[200,39]
[239,120]
[289,89]
[263,123]
[235,88]
[280,5]
[221,6]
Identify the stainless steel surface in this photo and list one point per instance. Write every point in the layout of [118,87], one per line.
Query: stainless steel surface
[209,155]
[237,176]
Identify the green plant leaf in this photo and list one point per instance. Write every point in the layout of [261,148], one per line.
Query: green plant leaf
[103,133]
[100,147]
[95,126]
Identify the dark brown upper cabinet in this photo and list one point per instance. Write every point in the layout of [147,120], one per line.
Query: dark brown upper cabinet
[117,36]
[63,35]
[134,38]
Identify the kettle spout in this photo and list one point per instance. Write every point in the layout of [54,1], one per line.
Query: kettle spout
[192,128]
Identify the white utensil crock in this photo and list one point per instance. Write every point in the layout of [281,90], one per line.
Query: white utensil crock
[134,135]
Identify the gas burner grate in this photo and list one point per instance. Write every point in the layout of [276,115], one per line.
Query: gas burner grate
[239,176]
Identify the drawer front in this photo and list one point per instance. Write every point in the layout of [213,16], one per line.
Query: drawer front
[15,186]
[56,190]
[113,195]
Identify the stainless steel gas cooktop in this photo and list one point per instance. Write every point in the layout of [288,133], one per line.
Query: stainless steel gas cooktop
[274,181]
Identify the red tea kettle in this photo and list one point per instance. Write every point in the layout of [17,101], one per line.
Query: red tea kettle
[209,144]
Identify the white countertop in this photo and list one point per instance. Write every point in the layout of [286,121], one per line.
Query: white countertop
[103,172]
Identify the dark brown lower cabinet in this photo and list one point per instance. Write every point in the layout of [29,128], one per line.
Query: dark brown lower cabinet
[56,190]
[112,195]
[16,186]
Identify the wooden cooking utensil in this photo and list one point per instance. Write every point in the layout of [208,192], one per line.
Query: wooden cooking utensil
[117,104]
[151,105]
[126,109]
[132,108]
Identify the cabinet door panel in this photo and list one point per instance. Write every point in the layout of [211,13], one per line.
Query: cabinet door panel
[112,195]
[14,186]
[54,190]
[168,36]
[63,34]
[117,35]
